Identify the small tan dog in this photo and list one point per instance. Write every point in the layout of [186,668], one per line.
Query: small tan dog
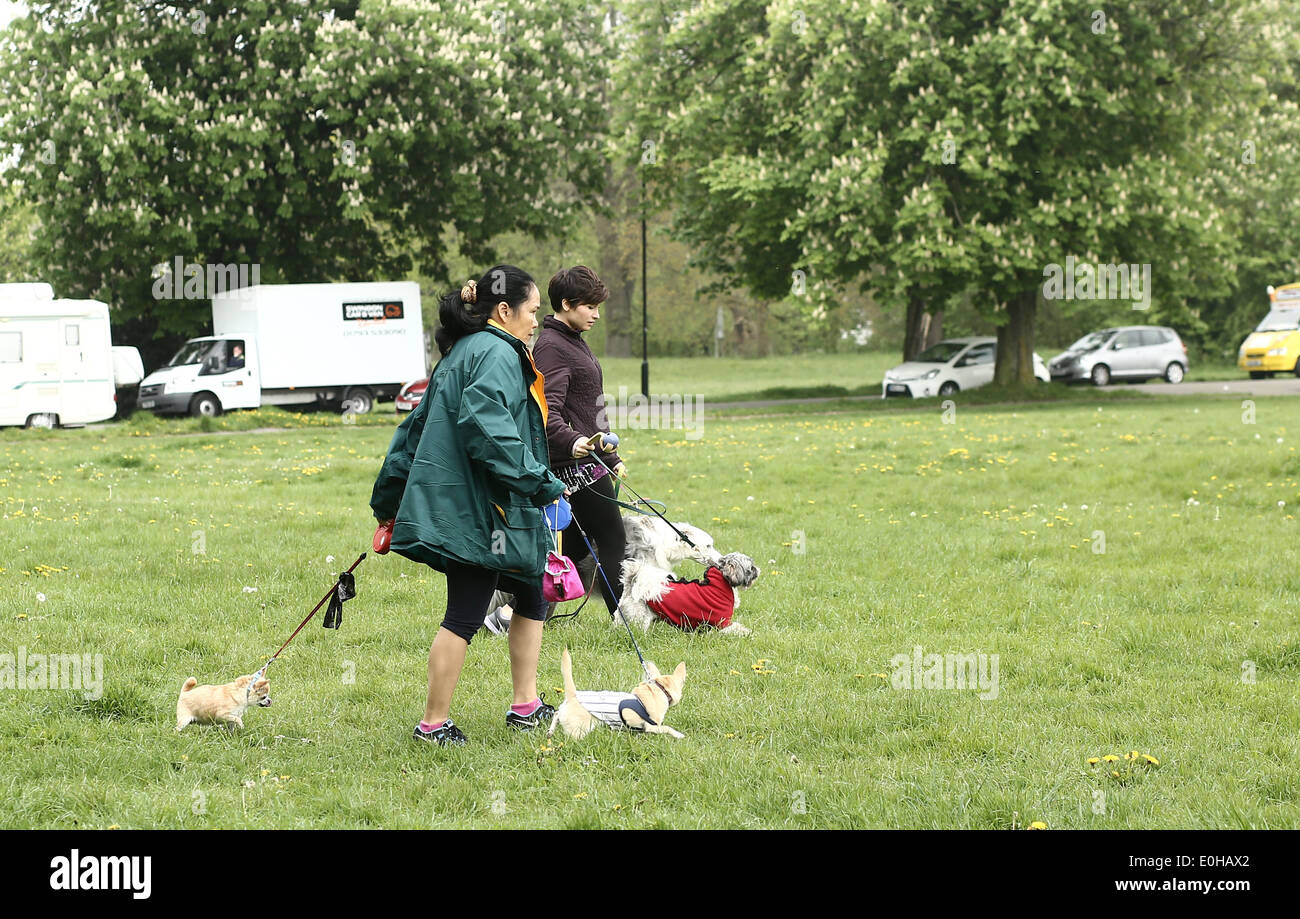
[220,703]
[642,709]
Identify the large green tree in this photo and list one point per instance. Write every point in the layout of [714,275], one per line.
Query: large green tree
[17,231]
[923,146]
[319,140]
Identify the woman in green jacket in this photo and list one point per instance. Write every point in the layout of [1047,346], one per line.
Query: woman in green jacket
[465,480]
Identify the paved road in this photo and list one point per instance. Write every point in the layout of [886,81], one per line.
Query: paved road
[1278,386]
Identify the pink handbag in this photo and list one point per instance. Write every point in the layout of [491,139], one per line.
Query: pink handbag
[560,581]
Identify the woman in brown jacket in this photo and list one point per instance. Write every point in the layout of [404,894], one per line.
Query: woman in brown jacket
[576,410]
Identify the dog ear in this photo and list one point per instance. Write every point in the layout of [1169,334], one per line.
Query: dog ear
[244,680]
[679,673]
[651,669]
[260,683]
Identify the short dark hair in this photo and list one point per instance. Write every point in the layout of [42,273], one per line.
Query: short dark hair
[578,284]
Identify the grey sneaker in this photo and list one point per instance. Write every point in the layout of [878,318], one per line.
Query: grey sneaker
[447,735]
[498,621]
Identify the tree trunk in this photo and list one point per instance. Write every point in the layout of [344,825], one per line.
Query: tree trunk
[934,331]
[912,342]
[923,328]
[619,263]
[1015,364]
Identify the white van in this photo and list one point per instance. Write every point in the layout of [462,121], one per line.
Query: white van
[340,345]
[56,359]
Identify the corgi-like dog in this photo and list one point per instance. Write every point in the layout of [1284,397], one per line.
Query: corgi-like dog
[642,709]
[220,703]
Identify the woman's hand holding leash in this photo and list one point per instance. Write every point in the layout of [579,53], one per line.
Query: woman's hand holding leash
[605,442]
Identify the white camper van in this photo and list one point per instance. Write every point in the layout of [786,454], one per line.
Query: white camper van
[339,345]
[56,359]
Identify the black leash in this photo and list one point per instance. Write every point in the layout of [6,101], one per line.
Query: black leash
[649,504]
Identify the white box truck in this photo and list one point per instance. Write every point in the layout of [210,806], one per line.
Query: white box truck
[338,345]
[56,359]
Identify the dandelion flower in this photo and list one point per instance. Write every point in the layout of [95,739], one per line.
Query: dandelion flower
[1037,825]
[40,598]
[1151,759]
[1093,760]
[1110,758]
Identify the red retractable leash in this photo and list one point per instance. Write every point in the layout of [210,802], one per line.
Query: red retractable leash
[345,588]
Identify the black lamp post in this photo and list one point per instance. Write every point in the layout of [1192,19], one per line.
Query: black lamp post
[645,354]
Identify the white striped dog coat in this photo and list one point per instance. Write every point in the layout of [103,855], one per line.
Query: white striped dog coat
[608,706]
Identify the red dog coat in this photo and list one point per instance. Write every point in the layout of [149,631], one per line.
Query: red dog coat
[691,604]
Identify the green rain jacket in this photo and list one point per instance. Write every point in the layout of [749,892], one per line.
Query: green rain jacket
[467,472]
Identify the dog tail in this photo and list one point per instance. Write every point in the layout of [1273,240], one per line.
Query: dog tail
[189,684]
[566,669]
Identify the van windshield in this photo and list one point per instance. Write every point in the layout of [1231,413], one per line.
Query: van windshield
[1283,319]
[194,352]
[1092,341]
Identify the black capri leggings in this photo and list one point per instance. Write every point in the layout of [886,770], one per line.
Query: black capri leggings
[594,508]
[469,590]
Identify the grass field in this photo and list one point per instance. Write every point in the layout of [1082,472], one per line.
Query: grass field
[726,379]
[172,552]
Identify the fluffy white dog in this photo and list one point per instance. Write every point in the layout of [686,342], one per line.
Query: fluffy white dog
[652,593]
[652,540]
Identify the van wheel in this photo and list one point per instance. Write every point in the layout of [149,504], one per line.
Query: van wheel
[947,389]
[1100,375]
[1296,369]
[205,405]
[358,400]
[1174,373]
[46,420]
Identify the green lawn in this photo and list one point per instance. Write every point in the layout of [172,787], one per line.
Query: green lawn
[878,532]
[724,379]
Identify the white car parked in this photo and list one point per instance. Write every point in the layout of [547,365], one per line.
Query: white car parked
[948,366]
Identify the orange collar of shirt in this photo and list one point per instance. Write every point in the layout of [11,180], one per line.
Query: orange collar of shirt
[538,389]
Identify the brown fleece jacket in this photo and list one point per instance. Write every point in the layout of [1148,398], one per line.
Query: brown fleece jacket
[574,392]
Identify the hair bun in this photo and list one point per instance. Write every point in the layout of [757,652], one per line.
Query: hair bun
[469,293]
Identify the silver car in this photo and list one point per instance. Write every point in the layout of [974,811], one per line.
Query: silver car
[1135,352]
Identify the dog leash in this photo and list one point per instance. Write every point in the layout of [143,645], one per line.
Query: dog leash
[345,588]
[618,607]
[650,504]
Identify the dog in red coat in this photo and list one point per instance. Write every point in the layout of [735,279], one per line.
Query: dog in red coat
[651,593]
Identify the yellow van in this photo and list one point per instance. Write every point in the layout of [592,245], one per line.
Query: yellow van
[1274,346]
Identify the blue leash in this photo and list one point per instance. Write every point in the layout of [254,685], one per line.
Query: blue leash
[618,608]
